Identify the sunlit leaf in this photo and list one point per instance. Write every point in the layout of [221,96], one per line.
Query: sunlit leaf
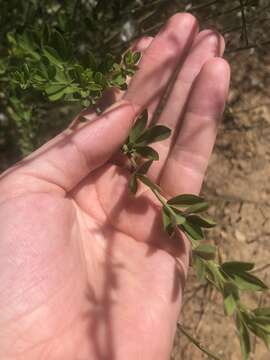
[205,251]
[136,57]
[138,127]
[186,200]
[53,56]
[237,266]
[248,282]
[200,268]
[143,169]
[244,338]
[192,230]
[200,221]
[153,134]
[147,152]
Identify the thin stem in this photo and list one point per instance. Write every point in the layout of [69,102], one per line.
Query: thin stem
[159,196]
[197,343]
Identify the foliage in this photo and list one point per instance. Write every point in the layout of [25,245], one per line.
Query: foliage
[183,213]
[47,57]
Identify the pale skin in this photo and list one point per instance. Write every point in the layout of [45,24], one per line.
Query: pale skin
[86,270]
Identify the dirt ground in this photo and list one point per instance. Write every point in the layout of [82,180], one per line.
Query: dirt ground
[238,186]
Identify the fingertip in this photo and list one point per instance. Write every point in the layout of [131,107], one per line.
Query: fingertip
[212,40]
[142,43]
[218,69]
[210,89]
[183,19]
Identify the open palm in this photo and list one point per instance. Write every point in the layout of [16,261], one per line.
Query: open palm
[86,269]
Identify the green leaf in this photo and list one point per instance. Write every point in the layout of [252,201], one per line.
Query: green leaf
[192,230]
[231,297]
[99,78]
[53,56]
[205,251]
[147,152]
[128,58]
[234,267]
[244,337]
[143,169]
[179,219]
[139,127]
[196,208]
[119,79]
[167,221]
[57,91]
[186,200]
[259,332]
[136,57]
[216,277]
[229,305]
[200,221]
[153,134]
[200,268]
[248,282]
[133,184]
[262,311]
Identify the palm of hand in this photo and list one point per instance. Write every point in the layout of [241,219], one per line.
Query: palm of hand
[87,270]
[87,291]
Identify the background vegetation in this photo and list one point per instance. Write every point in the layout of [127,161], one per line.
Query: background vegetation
[40,40]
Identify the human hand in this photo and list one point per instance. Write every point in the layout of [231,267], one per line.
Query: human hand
[87,271]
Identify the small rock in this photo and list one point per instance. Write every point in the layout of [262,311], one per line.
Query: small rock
[240,236]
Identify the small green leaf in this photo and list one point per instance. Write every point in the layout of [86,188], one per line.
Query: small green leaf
[136,57]
[186,200]
[196,208]
[244,337]
[147,152]
[138,127]
[99,78]
[200,221]
[258,331]
[143,169]
[248,282]
[229,305]
[119,79]
[200,268]
[192,230]
[133,184]
[153,134]
[128,58]
[233,267]
[205,251]
[179,219]
[53,56]
[262,311]
[167,221]
[231,297]
[55,91]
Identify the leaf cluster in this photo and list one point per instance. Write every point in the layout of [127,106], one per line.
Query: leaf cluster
[43,61]
[182,215]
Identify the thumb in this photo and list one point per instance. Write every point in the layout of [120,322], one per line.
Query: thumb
[68,158]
